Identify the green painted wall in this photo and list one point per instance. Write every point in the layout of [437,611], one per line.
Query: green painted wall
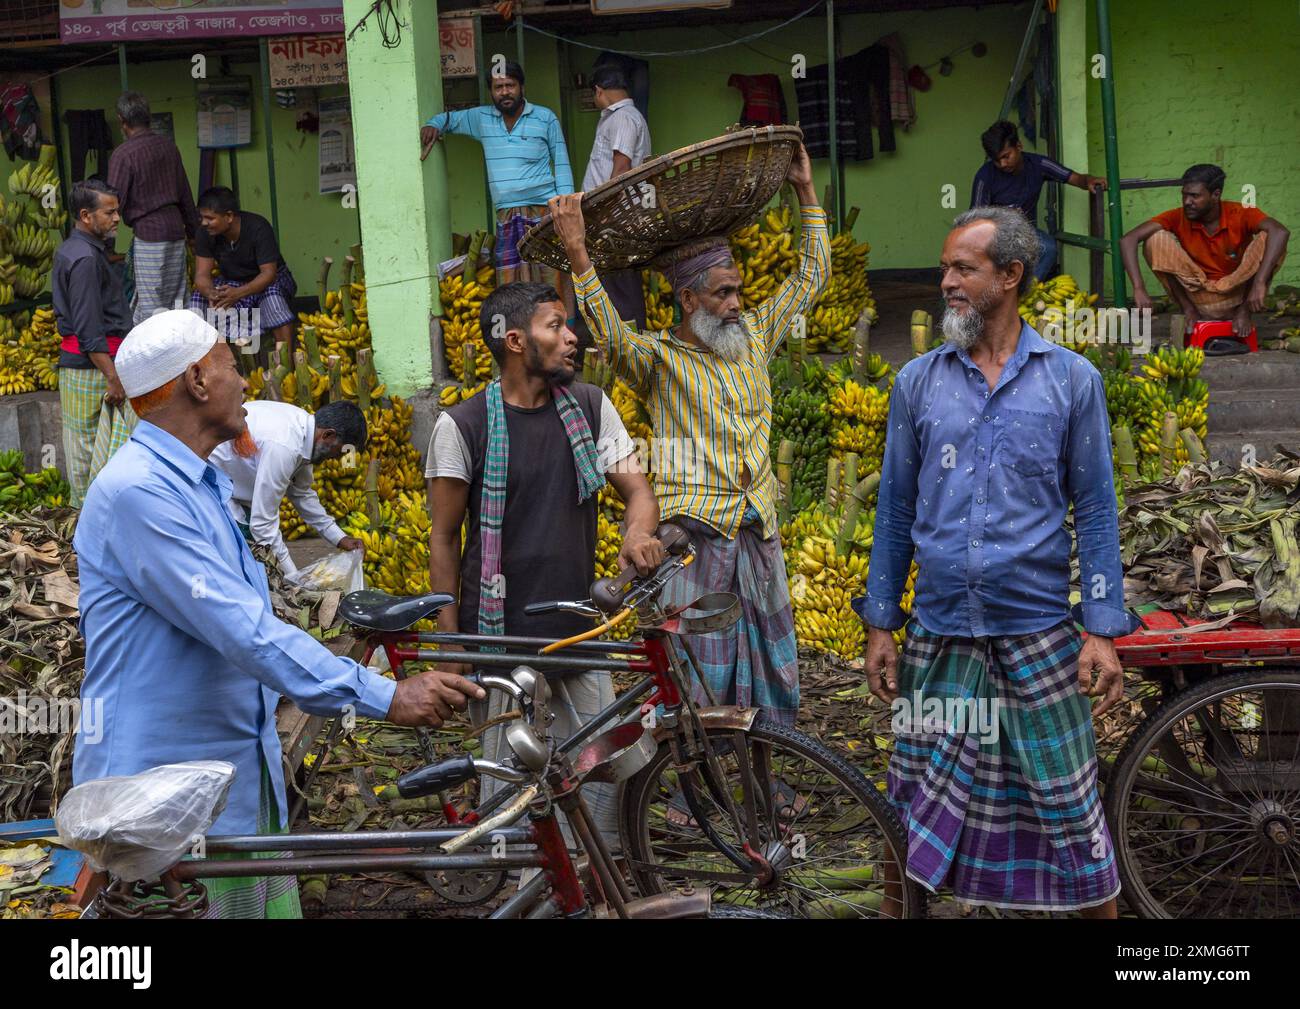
[1205,81]
[899,193]
[311,225]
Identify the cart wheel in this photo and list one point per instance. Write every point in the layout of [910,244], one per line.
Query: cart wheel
[1204,805]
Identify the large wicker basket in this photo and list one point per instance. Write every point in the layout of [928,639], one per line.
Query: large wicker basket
[708,188]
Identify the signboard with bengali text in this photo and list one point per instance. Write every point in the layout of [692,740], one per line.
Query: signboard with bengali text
[133,20]
[307,61]
[456,43]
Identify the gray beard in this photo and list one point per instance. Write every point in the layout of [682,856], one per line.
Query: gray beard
[726,339]
[963,330]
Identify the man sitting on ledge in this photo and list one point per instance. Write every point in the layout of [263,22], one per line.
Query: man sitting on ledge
[1214,257]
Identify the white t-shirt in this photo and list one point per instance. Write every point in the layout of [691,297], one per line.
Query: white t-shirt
[449,455]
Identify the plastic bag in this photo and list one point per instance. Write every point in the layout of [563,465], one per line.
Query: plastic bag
[339,572]
[136,826]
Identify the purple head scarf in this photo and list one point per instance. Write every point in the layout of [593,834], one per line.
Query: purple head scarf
[682,271]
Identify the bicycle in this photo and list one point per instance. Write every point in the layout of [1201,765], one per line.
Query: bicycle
[772,819]
[567,884]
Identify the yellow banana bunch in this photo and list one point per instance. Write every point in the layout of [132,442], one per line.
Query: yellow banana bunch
[32,177]
[658,301]
[1061,294]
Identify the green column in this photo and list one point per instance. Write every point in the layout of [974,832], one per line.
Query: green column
[1072,102]
[1119,295]
[405,215]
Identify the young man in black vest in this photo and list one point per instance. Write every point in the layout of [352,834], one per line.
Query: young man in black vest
[521,466]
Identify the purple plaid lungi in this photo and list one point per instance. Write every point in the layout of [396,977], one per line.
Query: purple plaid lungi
[245,321]
[1000,802]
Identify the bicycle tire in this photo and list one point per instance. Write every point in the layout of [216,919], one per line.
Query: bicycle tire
[1121,803]
[643,790]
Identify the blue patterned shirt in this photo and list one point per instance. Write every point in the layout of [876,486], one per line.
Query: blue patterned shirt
[519,160]
[184,655]
[976,483]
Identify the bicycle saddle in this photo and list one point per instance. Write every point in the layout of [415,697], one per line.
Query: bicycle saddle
[135,826]
[378,611]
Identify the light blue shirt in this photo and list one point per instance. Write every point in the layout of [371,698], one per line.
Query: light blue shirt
[976,482]
[518,161]
[183,650]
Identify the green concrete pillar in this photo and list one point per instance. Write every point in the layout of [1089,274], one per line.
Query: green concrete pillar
[405,213]
[1074,63]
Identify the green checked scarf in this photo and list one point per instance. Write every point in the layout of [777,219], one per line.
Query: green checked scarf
[491,605]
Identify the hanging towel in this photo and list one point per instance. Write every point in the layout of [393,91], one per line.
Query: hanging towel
[902,105]
[20,122]
[813,96]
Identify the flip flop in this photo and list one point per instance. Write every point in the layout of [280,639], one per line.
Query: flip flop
[786,802]
[677,804]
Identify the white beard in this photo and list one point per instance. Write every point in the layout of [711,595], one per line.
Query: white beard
[726,339]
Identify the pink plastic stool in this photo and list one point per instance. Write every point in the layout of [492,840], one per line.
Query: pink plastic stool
[1209,329]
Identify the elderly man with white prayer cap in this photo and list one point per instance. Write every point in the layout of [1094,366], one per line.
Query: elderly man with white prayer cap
[185,659]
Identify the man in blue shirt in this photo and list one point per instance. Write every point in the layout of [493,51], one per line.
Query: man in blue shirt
[1012,178]
[183,650]
[991,439]
[521,142]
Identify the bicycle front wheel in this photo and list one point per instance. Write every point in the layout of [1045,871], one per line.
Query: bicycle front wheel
[835,847]
[1204,803]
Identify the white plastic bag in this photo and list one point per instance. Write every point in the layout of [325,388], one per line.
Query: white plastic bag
[339,572]
[136,826]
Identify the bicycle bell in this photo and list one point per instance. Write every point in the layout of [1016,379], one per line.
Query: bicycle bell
[532,683]
[527,745]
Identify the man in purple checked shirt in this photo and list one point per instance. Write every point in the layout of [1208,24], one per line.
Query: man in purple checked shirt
[991,439]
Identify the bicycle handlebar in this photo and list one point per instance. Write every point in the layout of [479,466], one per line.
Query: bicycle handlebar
[453,771]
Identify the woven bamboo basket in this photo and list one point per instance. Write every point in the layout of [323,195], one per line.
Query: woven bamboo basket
[714,187]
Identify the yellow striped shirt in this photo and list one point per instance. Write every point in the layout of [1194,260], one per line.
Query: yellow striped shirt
[711,416]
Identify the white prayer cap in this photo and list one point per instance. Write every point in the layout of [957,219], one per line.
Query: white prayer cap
[160,348]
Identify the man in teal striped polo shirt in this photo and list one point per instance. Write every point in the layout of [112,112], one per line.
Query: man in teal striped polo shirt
[527,164]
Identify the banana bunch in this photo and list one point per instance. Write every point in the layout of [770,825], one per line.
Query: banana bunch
[29,281]
[6,293]
[461,301]
[8,268]
[32,177]
[453,394]
[1061,294]
[14,377]
[292,526]
[52,219]
[1167,363]
[821,589]
[845,298]
[800,415]
[30,242]
[397,549]
[851,401]
[765,253]
[658,301]
[21,491]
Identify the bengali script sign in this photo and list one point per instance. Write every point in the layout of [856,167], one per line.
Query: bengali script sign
[127,20]
[456,42]
[307,61]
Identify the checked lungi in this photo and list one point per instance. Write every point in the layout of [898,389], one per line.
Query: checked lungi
[1214,299]
[158,271]
[255,896]
[755,662]
[1013,820]
[247,318]
[92,430]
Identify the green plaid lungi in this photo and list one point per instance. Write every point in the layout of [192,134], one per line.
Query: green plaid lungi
[92,432]
[255,896]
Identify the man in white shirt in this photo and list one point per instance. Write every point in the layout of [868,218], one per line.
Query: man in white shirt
[622,143]
[274,459]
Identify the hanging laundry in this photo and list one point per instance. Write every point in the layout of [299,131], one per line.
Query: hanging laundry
[813,95]
[87,131]
[764,100]
[20,122]
[902,104]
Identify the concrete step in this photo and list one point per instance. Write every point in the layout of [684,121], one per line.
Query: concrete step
[1232,449]
[1240,410]
[1271,369]
[30,422]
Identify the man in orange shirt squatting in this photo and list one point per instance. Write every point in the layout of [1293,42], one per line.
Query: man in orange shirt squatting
[1214,257]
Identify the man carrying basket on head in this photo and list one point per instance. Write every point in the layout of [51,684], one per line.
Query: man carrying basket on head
[706,385]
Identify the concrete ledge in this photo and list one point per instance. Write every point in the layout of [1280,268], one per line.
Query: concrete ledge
[32,423]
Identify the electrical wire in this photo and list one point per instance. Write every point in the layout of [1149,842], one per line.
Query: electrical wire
[679,52]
